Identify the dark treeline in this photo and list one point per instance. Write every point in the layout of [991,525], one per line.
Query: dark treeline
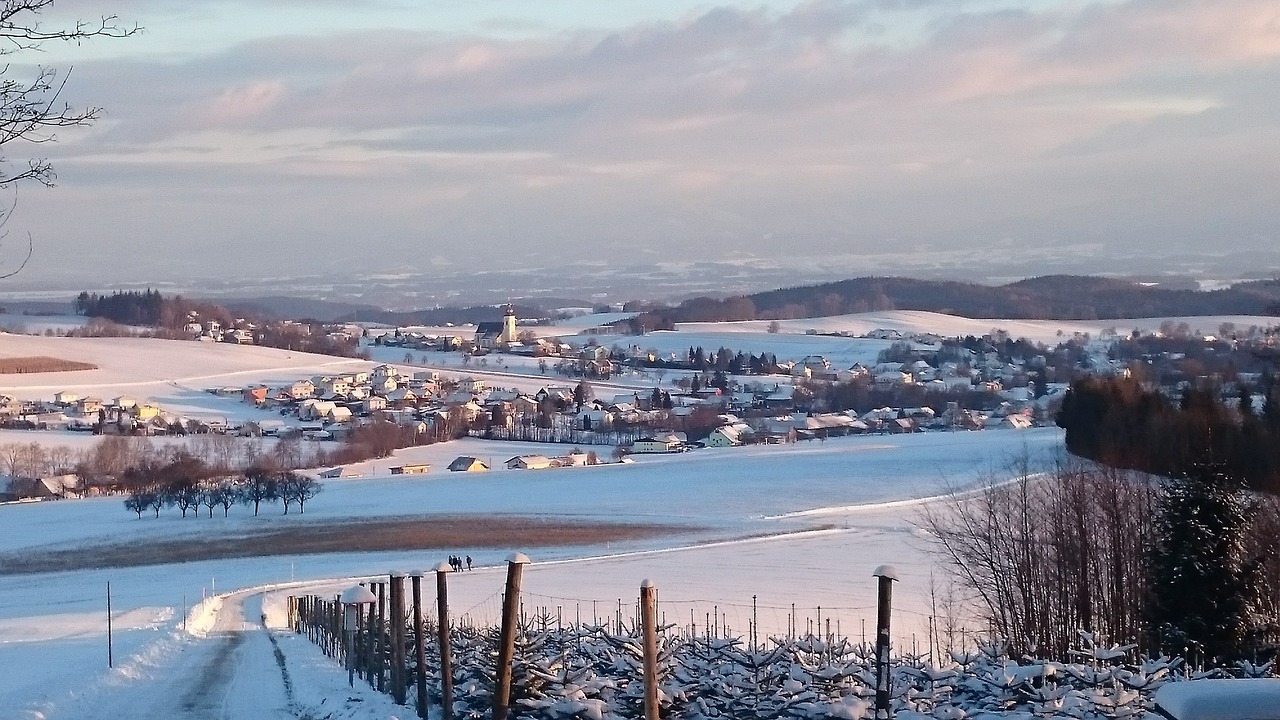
[189,484]
[1122,424]
[146,307]
[1059,297]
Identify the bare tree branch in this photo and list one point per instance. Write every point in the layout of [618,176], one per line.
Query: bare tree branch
[32,108]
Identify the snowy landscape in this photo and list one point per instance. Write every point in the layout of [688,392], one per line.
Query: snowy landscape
[775,538]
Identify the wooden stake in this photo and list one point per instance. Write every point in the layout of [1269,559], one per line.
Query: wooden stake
[380,640]
[886,575]
[648,620]
[507,648]
[420,679]
[110,654]
[446,662]
[397,639]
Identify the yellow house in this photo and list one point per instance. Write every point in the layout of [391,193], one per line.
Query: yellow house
[468,464]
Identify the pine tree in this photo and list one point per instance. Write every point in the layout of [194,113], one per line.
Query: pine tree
[1200,581]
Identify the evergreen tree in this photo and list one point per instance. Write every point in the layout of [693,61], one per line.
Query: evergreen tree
[1199,576]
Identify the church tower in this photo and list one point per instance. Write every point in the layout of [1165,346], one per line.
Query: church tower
[508,326]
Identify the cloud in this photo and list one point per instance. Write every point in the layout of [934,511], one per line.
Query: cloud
[837,125]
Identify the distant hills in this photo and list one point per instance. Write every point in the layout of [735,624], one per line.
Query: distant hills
[1051,297]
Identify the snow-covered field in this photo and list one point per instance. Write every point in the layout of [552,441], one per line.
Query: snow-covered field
[802,524]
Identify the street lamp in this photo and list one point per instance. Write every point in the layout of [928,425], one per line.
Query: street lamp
[352,599]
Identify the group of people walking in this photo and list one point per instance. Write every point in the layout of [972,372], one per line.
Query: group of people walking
[456,562]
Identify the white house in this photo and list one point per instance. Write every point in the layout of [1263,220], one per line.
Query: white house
[663,443]
[529,462]
[728,435]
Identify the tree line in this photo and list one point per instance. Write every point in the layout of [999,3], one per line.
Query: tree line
[187,483]
[146,307]
[1060,297]
[1122,423]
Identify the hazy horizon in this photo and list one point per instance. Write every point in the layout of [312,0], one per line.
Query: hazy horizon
[245,141]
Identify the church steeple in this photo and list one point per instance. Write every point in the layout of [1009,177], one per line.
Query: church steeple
[508,326]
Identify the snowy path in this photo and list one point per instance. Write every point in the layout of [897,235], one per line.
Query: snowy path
[229,673]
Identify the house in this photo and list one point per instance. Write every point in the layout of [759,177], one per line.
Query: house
[382,373]
[728,435]
[335,472]
[416,469]
[524,405]
[892,378]
[466,463]
[255,394]
[383,385]
[573,459]
[53,487]
[300,390]
[314,409]
[529,462]
[401,396]
[124,402]
[338,414]
[331,386]
[64,397]
[1017,422]
[663,443]
[89,405]
[374,403]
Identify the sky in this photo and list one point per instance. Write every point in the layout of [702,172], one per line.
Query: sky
[275,138]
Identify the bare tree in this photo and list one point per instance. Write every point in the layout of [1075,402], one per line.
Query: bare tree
[1048,554]
[32,108]
[137,501]
[260,485]
[211,497]
[299,488]
[228,494]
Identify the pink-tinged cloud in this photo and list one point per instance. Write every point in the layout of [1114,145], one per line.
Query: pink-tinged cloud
[242,103]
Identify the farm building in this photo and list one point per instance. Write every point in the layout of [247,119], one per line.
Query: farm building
[468,464]
[418,469]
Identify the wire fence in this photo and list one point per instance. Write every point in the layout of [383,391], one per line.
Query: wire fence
[574,657]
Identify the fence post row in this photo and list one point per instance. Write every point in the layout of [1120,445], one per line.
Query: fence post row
[341,628]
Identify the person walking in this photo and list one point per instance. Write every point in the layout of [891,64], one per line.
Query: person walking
[468,562]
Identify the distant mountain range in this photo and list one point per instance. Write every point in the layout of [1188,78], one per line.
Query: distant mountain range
[1052,297]
[296,308]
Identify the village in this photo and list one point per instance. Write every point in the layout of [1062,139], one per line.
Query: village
[596,389]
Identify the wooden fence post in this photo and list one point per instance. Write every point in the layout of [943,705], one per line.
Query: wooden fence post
[442,632]
[420,679]
[397,639]
[649,621]
[380,652]
[887,575]
[371,646]
[507,648]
